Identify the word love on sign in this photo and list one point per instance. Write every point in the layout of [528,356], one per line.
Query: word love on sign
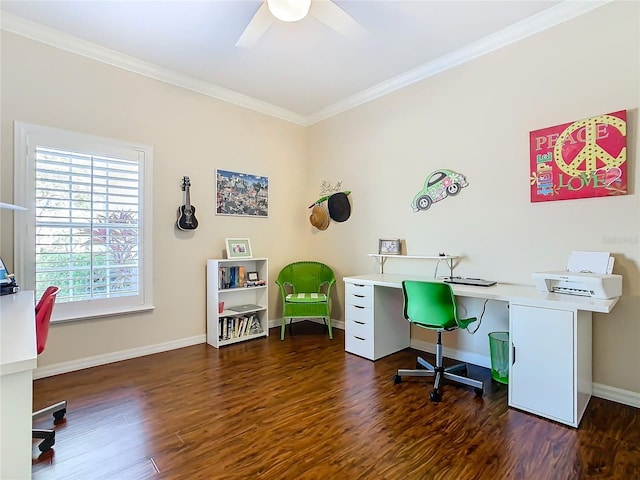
[586,158]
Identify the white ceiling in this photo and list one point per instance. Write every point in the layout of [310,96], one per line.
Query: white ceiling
[302,72]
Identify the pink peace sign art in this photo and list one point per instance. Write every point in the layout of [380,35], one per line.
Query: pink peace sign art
[585,158]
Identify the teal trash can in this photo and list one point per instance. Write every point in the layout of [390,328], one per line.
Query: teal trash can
[499,348]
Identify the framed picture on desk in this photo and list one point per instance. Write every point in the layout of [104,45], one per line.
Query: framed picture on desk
[389,246]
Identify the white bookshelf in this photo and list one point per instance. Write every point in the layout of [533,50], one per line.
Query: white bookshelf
[220,326]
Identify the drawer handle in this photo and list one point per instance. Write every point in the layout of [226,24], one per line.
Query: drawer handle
[358,338]
[357,306]
[359,323]
[359,296]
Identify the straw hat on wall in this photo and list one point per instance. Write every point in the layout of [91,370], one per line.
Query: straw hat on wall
[319,217]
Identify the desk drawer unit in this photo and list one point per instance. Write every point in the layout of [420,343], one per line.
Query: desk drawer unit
[374,326]
[358,318]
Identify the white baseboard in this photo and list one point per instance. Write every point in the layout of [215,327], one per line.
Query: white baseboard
[334,323]
[88,362]
[614,394]
[73,365]
[466,357]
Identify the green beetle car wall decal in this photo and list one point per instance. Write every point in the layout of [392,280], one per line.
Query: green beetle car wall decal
[439,185]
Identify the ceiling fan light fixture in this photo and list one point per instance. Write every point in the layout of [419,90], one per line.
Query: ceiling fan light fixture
[289,10]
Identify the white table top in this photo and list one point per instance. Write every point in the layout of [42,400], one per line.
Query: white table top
[17,333]
[507,292]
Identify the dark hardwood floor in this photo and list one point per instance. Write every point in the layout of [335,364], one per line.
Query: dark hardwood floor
[304,409]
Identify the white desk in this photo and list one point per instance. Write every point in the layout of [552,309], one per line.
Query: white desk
[550,336]
[18,358]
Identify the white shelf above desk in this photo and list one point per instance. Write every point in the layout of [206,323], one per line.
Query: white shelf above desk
[382,258]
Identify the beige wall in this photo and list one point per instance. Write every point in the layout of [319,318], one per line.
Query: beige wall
[474,119]
[192,135]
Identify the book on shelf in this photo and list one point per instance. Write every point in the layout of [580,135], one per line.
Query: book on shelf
[255,326]
[222,328]
[243,327]
[240,282]
[239,326]
[223,280]
[232,277]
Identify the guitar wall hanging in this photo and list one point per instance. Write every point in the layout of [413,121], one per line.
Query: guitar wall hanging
[187,212]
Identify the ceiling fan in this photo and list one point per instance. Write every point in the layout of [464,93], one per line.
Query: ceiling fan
[325,11]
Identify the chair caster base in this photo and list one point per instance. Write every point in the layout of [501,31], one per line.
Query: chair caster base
[46,444]
[397,379]
[435,396]
[479,392]
[59,415]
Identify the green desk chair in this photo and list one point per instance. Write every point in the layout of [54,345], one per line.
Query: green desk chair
[306,292]
[432,305]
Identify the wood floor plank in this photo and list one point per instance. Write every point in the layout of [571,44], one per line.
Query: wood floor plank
[305,409]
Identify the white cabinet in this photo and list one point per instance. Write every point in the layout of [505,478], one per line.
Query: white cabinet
[18,358]
[374,326]
[550,373]
[229,282]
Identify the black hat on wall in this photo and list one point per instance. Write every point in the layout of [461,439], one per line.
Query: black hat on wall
[339,207]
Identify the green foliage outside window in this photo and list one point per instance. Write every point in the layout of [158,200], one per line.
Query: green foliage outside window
[105,265]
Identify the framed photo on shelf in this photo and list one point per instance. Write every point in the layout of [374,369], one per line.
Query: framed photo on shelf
[238,248]
[389,246]
[252,276]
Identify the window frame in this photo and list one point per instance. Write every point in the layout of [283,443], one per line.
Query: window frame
[26,138]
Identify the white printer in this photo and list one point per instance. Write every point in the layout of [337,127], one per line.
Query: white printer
[588,274]
[593,285]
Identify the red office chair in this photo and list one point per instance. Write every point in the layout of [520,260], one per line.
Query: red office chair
[43,317]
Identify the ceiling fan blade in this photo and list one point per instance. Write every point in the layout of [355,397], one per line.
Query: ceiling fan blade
[258,25]
[337,19]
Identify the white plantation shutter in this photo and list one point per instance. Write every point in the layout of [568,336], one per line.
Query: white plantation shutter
[87,212]
[87,226]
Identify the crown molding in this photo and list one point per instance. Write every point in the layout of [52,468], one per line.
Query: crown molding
[35,31]
[530,26]
[546,19]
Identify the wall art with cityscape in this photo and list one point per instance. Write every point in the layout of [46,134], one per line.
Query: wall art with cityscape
[241,194]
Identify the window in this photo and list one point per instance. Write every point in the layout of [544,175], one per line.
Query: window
[88,227]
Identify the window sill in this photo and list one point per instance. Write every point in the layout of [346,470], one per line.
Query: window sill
[111,313]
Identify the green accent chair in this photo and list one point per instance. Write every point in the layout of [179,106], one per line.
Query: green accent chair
[432,305]
[306,292]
